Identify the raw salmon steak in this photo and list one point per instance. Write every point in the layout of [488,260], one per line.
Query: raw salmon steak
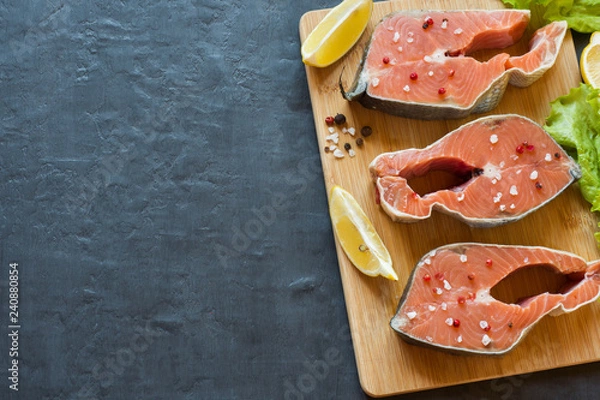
[505,167]
[447,302]
[417,63]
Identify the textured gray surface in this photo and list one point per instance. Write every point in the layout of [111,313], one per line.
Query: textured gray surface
[161,192]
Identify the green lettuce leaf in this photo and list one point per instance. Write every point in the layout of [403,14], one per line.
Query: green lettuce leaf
[581,15]
[574,122]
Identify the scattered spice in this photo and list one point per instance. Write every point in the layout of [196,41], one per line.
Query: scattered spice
[439,276]
[386,60]
[362,248]
[520,149]
[461,300]
[329,120]
[359,142]
[414,76]
[451,73]
[340,119]
[429,21]
[347,146]
[441,91]
[366,131]
[456,323]
[489,262]
[426,277]
[510,324]
[557,155]
[470,277]
[425,25]
[326,149]
[538,185]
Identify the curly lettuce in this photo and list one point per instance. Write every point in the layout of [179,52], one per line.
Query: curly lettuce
[574,122]
[581,15]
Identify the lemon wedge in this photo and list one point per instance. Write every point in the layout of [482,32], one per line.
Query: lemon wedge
[358,237]
[590,61]
[335,35]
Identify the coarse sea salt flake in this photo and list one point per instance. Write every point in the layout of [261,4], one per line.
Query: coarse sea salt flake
[502,207]
[375,82]
[512,206]
[461,196]
[444,24]
[396,37]
[449,321]
[406,88]
[429,338]
[351,130]
[351,153]
[427,261]
[494,139]
[463,258]
[447,285]
[410,40]
[444,306]
[438,291]
[331,129]
[548,157]
[483,324]
[338,153]
[431,307]
[513,190]
[486,340]
[430,73]
[411,314]
[400,49]
[458,31]
[459,339]
[427,59]
[534,175]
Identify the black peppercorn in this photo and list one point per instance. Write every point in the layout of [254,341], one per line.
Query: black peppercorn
[366,131]
[340,119]
[359,141]
[347,146]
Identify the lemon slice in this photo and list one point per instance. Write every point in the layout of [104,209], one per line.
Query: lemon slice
[590,62]
[358,237]
[335,35]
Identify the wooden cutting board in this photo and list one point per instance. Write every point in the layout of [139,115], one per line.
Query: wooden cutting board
[386,364]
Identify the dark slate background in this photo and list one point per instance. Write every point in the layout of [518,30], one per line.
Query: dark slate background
[162,195]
